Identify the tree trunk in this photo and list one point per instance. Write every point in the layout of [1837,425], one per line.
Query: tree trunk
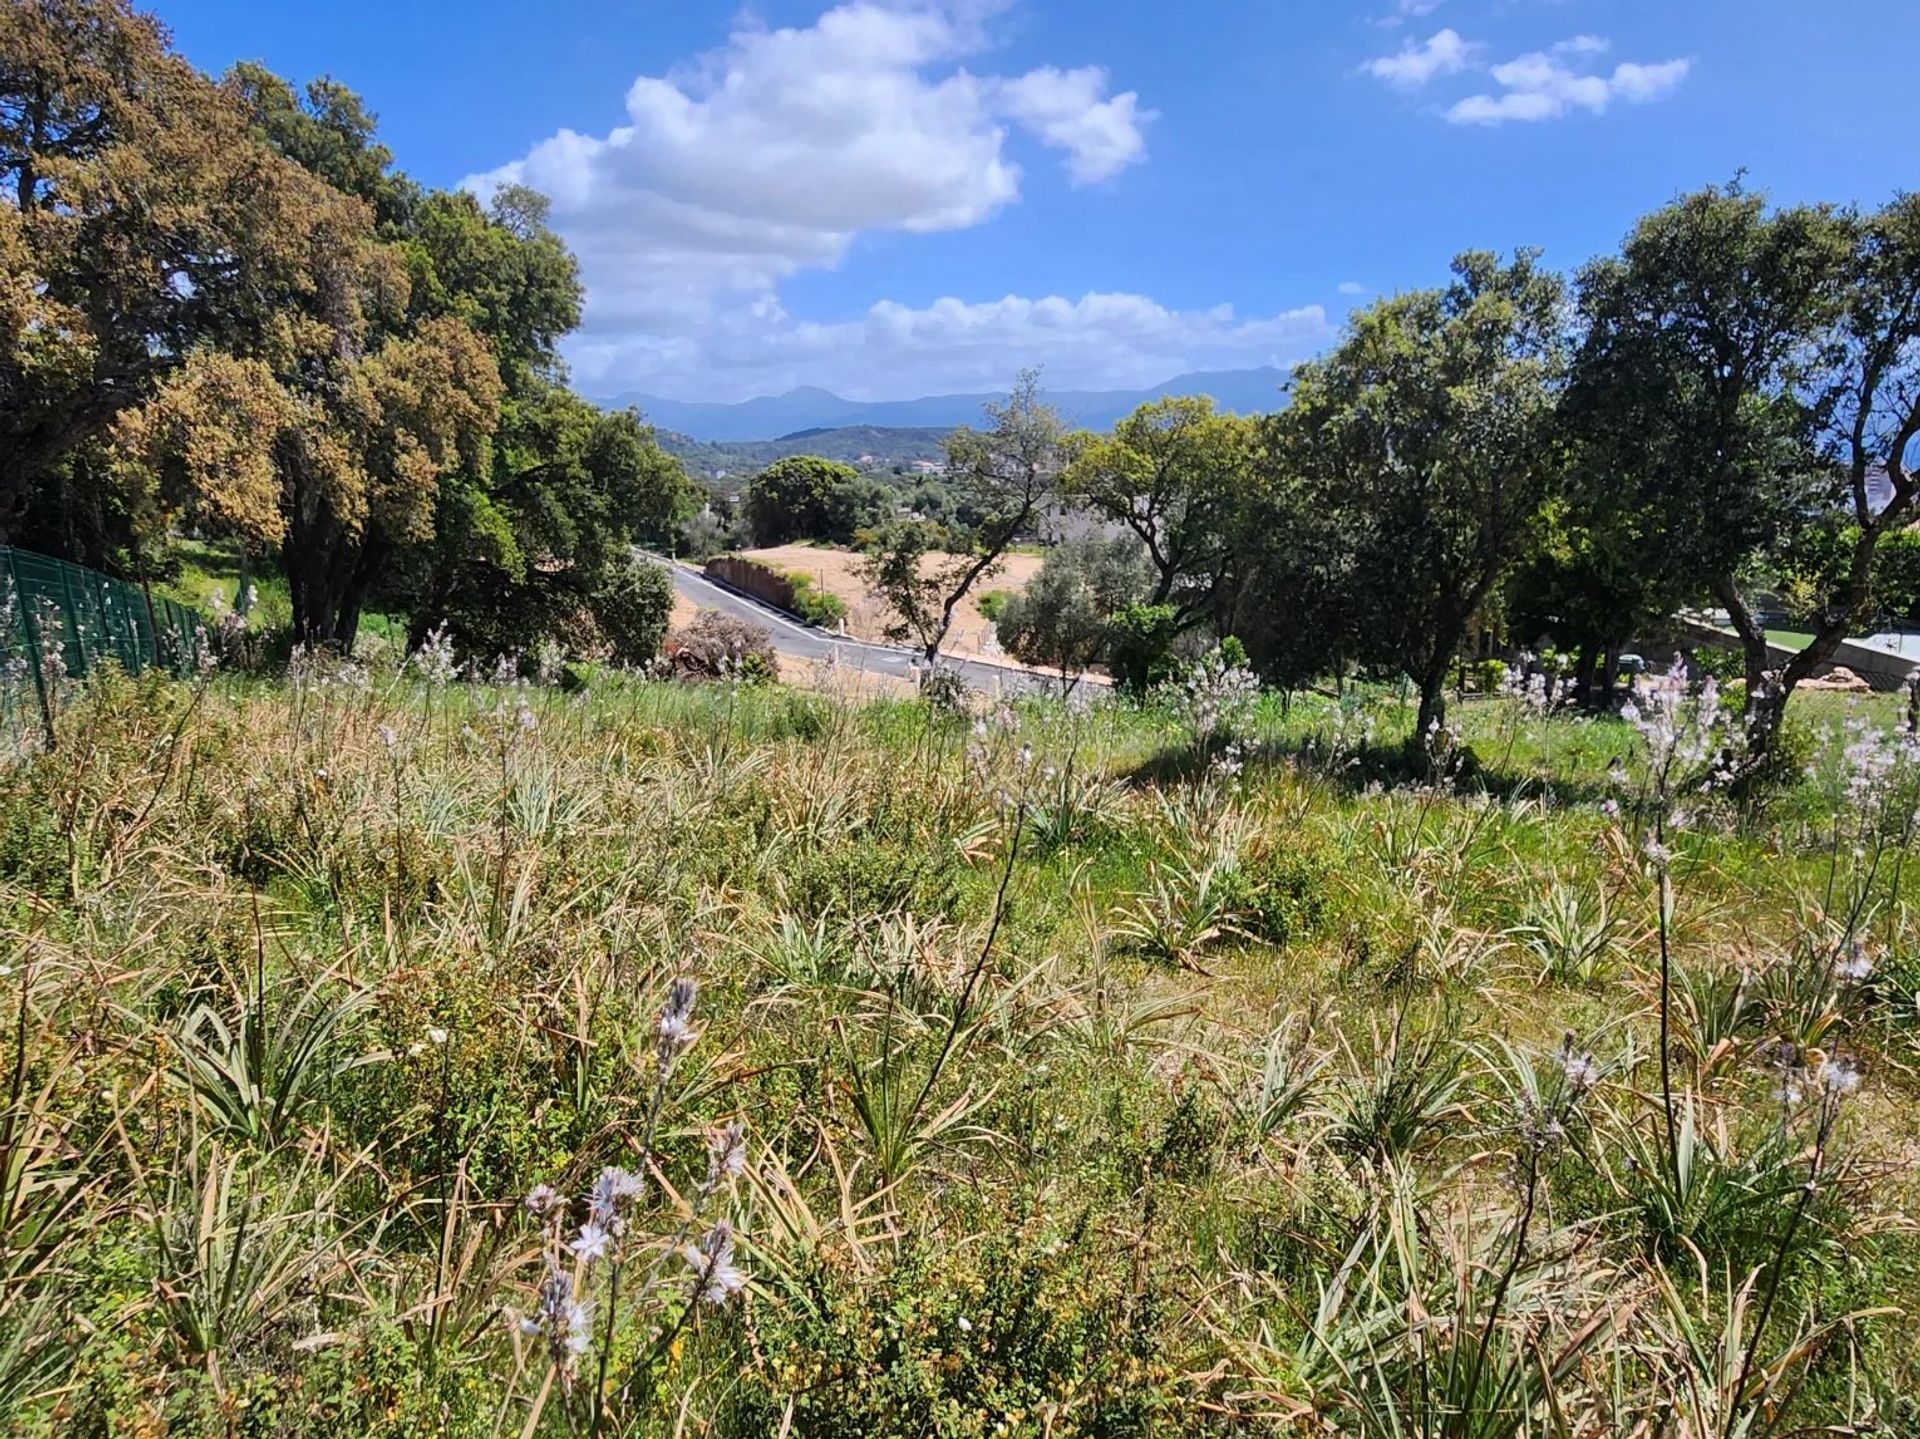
[1609,676]
[1433,701]
[1766,696]
[1584,672]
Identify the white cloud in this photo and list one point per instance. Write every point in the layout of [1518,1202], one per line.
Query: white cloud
[1414,9]
[771,155]
[1065,109]
[1540,86]
[1098,341]
[1351,287]
[1443,54]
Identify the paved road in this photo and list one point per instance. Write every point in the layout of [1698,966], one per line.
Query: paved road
[807,643]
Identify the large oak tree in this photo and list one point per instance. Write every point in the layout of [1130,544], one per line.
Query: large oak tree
[1422,447]
[1745,375]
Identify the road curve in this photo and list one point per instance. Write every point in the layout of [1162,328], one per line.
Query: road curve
[804,642]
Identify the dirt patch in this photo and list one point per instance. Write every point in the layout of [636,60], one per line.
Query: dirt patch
[836,571]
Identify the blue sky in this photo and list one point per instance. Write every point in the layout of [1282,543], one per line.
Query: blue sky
[900,197]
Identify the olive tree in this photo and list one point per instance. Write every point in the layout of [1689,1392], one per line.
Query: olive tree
[1004,476]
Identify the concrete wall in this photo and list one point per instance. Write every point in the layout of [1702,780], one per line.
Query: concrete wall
[1879,669]
[753,578]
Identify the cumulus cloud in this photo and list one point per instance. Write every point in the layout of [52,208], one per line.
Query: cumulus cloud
[1445,53]
[1066,109]
[1542,86]
[1351,287]
[1100,340]
[771,155]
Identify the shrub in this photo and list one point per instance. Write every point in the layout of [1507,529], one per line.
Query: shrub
[1715,662]
[1141,653]
[631,610]
[993,604]
[1484,677]
[1280,896]
[707,534]
[813,604]
[1064,617]
[718,646]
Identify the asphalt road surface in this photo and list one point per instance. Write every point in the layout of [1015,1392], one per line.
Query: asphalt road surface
[804,642]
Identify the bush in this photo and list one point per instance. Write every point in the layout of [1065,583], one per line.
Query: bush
[1141,651]
[632,609]
[1713,661]
[708,534]
[813,604]
[719,646]
[1281,896]
[993,604]
[1063,619]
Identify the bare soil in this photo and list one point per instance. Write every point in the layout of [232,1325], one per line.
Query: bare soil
[836,572]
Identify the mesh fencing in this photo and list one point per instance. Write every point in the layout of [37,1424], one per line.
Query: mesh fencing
[59,621]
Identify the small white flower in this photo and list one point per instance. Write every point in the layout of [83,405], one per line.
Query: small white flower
[542,1198]
[437,1035]
[592,1243]
[1838,1078]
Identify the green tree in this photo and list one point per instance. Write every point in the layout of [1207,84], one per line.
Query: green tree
[144,223]
[1752,373]
[632,607]
[1422,449]
[1176,474]
[1064,618]
[1587,583]
[520,548]
[521,535]
[1004,476]
[803,497]
[326,130]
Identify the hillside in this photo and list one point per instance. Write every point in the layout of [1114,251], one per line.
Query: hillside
[867,447]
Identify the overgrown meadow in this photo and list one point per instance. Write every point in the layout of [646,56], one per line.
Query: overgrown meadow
[389,1058]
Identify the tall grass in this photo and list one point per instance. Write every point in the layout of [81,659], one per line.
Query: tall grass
[1067,1072]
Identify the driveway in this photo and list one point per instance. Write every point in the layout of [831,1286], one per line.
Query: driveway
[804,642]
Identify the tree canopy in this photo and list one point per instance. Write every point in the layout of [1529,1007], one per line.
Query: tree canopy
[1424,446]
[224,308]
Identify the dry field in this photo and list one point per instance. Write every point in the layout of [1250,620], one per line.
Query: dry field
[836,571]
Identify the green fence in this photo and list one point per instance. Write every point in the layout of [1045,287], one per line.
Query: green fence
[58,621]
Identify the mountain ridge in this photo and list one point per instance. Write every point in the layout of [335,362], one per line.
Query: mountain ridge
[810,408]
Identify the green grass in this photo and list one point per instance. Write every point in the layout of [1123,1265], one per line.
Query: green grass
[208,579]
[1090,1084]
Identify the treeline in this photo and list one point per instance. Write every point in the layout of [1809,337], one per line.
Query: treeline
[1728,406]
[224,311]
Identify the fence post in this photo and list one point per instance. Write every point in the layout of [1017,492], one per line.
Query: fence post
[31,628]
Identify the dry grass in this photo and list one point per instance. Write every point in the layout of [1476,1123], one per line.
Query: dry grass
[1127,1106]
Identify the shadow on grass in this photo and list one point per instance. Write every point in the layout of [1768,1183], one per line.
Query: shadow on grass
[1389,766]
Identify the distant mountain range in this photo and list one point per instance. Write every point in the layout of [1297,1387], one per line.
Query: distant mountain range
[809,408]
[865,446]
